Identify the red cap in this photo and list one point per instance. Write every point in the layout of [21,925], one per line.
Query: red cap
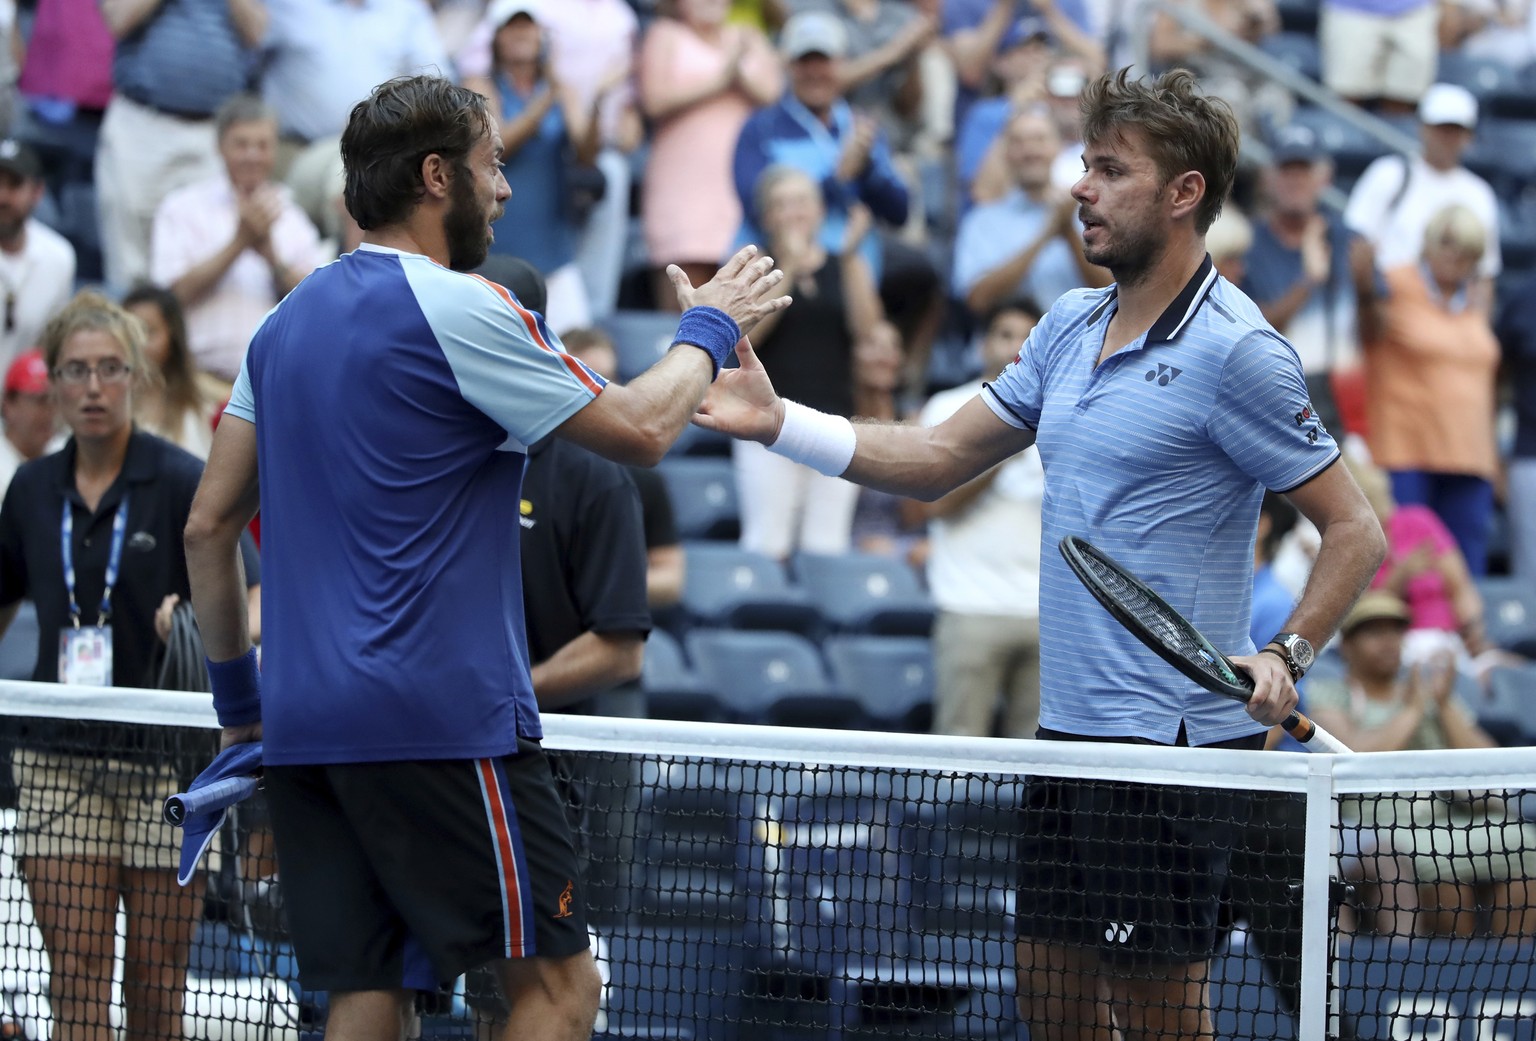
[28,374]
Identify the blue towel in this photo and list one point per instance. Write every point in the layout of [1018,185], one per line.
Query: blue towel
[242,760]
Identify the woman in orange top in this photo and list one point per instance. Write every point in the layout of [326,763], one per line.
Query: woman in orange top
[1430,385]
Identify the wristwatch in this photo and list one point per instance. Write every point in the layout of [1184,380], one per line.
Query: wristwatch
[1296,651]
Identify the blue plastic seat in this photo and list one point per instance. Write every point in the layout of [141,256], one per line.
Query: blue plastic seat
[669,984]
[771,677]
[960,834]
[640,338]
[1422,988]
[866,593]
[1509,613]
[1508,710]
[672,689]
[703,494]
[1299,50]
[892,677]
[732,588]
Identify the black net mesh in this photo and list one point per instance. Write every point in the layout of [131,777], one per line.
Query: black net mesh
[733,899]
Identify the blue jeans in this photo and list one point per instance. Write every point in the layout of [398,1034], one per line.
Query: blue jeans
[1464,503]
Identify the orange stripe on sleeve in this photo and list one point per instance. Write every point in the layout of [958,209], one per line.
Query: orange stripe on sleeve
[531,324]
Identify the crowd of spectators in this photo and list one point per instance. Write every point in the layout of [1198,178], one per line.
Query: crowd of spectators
[908,162]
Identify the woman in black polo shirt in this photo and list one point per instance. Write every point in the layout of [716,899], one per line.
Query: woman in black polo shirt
[92,534]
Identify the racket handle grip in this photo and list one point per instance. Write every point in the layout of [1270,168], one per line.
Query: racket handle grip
[209,798]
[1308,732]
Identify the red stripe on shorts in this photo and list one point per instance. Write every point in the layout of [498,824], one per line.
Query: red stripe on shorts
[501,833]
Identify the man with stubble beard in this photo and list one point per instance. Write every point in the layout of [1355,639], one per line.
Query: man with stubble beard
[37,264]
[387,404]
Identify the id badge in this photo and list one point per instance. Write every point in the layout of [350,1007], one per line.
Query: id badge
[85,656]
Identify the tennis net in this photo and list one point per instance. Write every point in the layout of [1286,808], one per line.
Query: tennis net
[750,882]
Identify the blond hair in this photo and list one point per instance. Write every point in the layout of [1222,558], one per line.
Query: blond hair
[1458,227]
[89,311]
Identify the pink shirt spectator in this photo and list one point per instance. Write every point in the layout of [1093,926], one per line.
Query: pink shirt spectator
[689,205]
[69,54]
[193,224]
[588,39]
[1428,597]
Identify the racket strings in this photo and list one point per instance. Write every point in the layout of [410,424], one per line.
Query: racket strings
[1155,616]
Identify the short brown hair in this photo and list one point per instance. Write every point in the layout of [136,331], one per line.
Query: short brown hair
[1184,129]
[392,130]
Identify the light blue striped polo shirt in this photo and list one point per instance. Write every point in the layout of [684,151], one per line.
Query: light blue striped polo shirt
[1159,457]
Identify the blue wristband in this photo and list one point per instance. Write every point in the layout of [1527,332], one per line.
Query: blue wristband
[710,330]
[236,690]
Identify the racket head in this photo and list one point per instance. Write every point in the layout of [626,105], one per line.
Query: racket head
[1153,621]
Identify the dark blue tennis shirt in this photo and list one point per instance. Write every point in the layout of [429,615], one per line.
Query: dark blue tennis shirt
[393,401]
[1160,457]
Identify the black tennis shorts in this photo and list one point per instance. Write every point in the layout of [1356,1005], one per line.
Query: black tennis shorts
[407,874]
[1136,871]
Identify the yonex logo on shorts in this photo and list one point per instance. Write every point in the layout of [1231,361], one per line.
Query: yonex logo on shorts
[1163,374]
[1119,932]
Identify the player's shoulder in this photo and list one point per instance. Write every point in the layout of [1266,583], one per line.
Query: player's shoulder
[1074,309]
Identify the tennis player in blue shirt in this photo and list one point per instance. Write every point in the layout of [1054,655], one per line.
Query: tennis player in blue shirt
[380,422]
[1163,407]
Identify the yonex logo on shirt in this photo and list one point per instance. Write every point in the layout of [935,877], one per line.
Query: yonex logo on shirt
[1163,374]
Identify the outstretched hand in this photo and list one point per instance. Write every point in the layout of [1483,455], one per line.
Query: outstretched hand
[742,402]
[743,289]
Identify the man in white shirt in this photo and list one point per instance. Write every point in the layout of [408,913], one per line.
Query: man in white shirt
[230,247]
[29,414]
[37,264]
[1395,197]
[984,569]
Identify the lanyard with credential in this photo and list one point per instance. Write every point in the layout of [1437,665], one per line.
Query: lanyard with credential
[114,559]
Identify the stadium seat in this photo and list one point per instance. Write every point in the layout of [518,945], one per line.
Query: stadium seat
[672,689]
[640,338]
[866,592]
[1351,148]
[1515,100]
[1243,1004]
[1431,988]
[892,677]
[1484,77]
[694,827]
[1509,613]
[1508,710]
[771,677]
[1299,50]
[1500,153]
[703,493]
[668,984]
[960,837]
[1298,16]
[731,588]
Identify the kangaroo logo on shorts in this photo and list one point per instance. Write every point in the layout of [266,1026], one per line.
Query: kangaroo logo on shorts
[1119,932]
[566,896]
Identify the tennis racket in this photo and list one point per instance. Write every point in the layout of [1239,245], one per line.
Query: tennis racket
[1151,620]
[208,799]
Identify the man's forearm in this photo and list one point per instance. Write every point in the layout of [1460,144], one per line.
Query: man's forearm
[124,16]
[1351,552]
[220,596]
[588,665]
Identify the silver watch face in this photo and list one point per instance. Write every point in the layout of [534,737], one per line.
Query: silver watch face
[1301,652]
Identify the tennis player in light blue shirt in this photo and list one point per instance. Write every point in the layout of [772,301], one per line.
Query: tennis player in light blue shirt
[1163,406]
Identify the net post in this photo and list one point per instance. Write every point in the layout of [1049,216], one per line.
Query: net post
[1316,1017]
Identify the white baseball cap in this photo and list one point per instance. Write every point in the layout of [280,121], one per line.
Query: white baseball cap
[1447,104]
[503,11]
[814,32]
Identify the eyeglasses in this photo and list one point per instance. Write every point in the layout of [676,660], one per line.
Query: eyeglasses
[78,373]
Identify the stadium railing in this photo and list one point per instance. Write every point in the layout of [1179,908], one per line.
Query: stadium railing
[756,882]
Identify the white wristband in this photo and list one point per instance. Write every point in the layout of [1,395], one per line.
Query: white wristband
[822,442]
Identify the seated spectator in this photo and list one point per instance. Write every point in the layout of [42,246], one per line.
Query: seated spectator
[84,854]
[975,29]
[1027,242]
[1500,30]
[544,133]
[1379,52]
[982,160]
[37,264]
[1170,44]
[230,247]
[785,506]
[665,563]
[1228,241]
[1424,568]
[1392,203]
[28,413]
[1431,385]
[1440,856]
[700,78]
[176,402]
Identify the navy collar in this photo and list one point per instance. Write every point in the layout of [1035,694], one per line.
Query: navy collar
[1177,314]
